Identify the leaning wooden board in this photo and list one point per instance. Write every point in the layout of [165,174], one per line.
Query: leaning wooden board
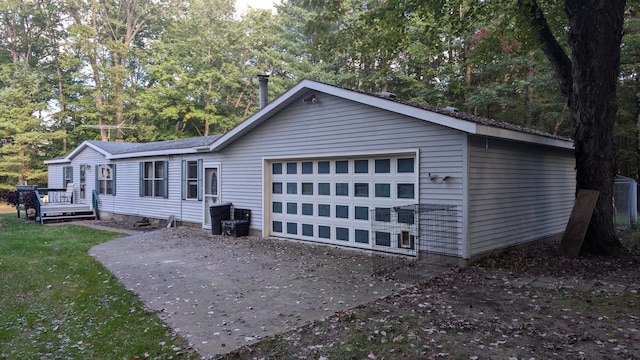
[578,223]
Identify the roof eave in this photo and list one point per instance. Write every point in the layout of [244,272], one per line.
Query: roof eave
[524,137]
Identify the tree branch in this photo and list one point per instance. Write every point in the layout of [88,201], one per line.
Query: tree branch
[553,51]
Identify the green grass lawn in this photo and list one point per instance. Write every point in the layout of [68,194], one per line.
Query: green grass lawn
[56,301]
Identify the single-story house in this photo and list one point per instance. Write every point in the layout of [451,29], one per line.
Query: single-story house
[326,164]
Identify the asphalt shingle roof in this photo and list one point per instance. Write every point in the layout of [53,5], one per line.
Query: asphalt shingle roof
[118,148]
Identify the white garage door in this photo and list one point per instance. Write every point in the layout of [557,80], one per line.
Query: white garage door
[330,200]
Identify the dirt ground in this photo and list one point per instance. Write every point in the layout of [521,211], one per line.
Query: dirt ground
[526,303]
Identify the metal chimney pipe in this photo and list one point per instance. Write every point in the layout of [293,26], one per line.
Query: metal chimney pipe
[264,90]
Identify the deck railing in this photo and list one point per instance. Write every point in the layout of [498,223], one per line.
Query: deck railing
[95,201]
[54,196]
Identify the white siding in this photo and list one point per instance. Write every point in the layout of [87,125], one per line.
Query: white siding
[54,175]
[517,192]
[87,156]
[338,127]
[129,202]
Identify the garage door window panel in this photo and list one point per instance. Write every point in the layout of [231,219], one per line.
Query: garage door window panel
[276,226]
[361,190]
[342,234]
[307,209]
[342,211]
[361,166]
[406,165]
[276,168]
[324,210]
[292,228]
[292,208]
[307,167]
[307,188]
[292,168]
[342,167]
[383,166]
[361,236]
[307,229]
[324,167]
[361,213]
[383,238]
[324,189]
[276,207]
[342,189]
[276,188]
[383,190]
[292,188]
[324,232]
[406,191]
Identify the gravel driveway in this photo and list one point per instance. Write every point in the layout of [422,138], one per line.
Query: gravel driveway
[222,293]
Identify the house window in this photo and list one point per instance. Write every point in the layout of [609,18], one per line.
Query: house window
[106,179]
[67,175]
[192,179]
[154,179]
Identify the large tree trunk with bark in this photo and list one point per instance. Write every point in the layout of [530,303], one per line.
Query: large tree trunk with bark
[588,81]
[595,35]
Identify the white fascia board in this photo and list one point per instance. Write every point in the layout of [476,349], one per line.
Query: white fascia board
[524,137]
[57,161]
[76,151]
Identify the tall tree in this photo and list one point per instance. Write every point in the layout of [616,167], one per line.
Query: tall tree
[25,49]
[110,34]
[588,80]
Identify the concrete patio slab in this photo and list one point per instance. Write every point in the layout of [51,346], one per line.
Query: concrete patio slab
[221,293]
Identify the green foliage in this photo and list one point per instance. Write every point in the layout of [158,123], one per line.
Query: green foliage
[183,69]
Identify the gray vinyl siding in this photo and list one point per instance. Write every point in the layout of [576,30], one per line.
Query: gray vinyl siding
[517,193]
[341,128]
[54,175]
[129,202]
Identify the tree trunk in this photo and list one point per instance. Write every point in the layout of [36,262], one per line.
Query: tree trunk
[637,126]
[595,35]
[588,82]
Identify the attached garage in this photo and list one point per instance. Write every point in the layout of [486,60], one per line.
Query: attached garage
[370,171]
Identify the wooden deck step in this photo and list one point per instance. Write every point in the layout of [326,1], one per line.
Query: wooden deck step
[66,212]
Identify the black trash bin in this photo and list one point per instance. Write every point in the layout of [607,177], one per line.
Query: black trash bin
[239,226]
[219,212]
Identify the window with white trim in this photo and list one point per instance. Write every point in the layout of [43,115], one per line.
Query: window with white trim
[192,179]
[154,179]
[106,179]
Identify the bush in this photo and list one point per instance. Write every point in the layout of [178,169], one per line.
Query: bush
[30,200]
[12,197]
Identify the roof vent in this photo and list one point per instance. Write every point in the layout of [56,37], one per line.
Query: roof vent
[387,95]
[451,108]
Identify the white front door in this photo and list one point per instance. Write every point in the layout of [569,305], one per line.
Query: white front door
[211,192]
